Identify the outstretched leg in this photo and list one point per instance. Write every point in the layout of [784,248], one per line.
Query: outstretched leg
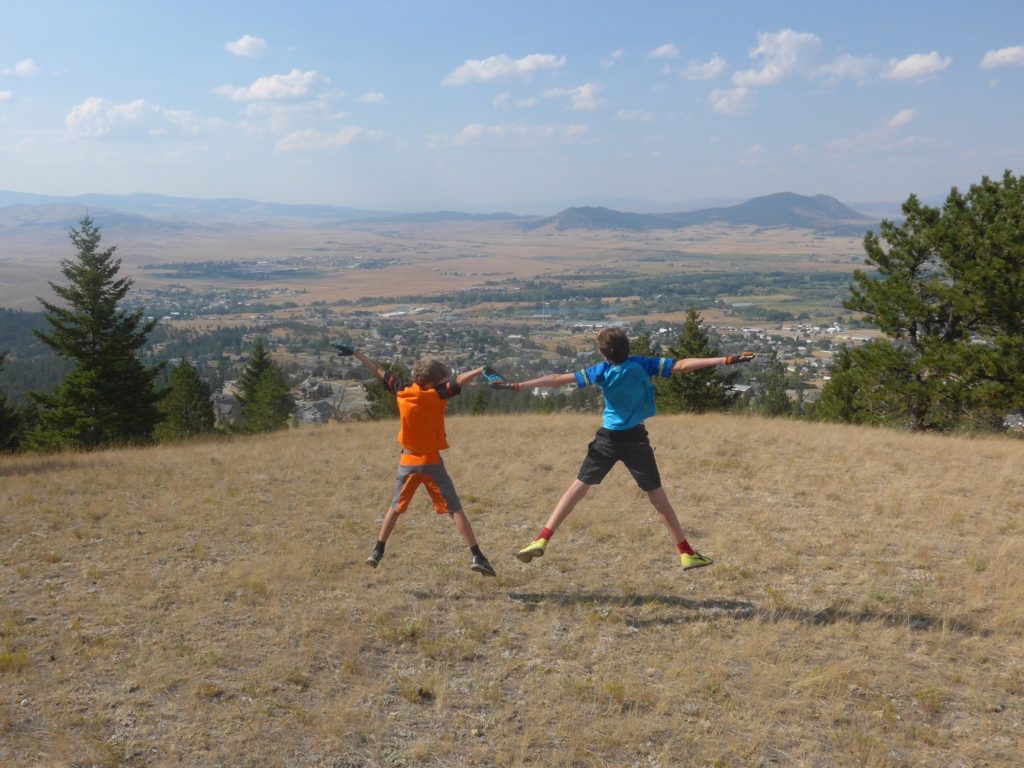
[573,494]
[480,562]
[688,558]
[386,527]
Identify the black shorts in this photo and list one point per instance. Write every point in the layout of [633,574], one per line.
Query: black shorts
[630,446]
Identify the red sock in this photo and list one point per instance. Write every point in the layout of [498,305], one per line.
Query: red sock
[545,534]
[685,548]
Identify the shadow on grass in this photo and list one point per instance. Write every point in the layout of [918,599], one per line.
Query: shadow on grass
[693,611]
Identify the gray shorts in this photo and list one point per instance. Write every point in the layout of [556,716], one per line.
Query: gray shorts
[434,477]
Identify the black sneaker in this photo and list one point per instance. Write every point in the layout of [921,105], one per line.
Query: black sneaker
[374,559]
[481,565]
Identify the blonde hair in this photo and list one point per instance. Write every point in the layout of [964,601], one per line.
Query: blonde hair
[429,372]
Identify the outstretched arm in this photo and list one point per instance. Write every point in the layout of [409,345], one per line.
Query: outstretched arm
[697,363]
[371,366]
[551,380]
[464,378]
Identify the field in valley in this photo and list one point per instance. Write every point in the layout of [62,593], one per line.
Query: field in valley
[208,604]
[426,259]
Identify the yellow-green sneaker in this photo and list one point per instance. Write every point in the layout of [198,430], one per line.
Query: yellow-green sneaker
[696,560]
[534,549]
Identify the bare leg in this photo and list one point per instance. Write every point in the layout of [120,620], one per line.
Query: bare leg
[390,518]
[572,496]
[661,503]
[463,527]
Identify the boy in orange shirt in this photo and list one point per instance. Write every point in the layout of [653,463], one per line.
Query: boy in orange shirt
[421,407]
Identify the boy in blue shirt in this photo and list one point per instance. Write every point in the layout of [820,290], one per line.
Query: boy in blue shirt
[628,400]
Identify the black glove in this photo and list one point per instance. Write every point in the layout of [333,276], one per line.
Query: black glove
[345,350]
[491,376]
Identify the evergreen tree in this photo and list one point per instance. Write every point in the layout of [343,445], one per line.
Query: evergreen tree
[9,437]
[109,396]
[772,399]
[948,291]
[381,404]
[698,391]
[264,394]
[186,409]
[259,362]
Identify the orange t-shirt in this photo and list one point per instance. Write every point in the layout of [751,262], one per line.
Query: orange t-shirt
[421,411]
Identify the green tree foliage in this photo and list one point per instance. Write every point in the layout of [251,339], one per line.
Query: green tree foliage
[772,399]
[264,394]
[948,292]
[9,437]
[698,391]
[259,363]
[110,396]
[381,404]
[186,409]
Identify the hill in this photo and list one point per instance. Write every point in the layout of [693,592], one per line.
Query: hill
[208,604]
[162,214]
[820,213]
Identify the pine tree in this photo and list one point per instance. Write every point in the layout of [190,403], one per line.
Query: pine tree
[186,409]
[264,394]
[259,362]
[269,404]
[773,400]
[381,404]
[948,291]
[9,438]
[708,389]
[110,396]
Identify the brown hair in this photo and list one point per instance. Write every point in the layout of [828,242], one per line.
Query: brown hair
[429,372]
[613,343]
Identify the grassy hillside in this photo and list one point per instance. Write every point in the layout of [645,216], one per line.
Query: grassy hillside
[209,605]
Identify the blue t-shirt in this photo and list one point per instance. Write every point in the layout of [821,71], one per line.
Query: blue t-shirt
[628,392]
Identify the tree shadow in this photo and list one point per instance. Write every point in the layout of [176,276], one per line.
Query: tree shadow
[710,609]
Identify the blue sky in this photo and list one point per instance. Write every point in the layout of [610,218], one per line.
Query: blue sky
[523,106]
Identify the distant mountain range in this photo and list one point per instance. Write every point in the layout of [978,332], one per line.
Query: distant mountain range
[820,213]
[165,214]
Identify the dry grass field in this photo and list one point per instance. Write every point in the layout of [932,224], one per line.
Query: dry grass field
[208,604]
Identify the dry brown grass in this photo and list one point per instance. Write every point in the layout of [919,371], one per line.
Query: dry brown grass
[208,604]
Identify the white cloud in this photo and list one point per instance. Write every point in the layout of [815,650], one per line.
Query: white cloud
[847,67]
[26,68]
[1004,57]
[916,66]
[583,97]
[667,51]
[782,54]
[318,141]
[611,59]
[752,155]
[707,70]
[295,85]
[731,101]
[890,137]
[501,67]
[516,132]
[5,96]
[98,118]
[373,97]
[900,119]
[635,116]
[247,45]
